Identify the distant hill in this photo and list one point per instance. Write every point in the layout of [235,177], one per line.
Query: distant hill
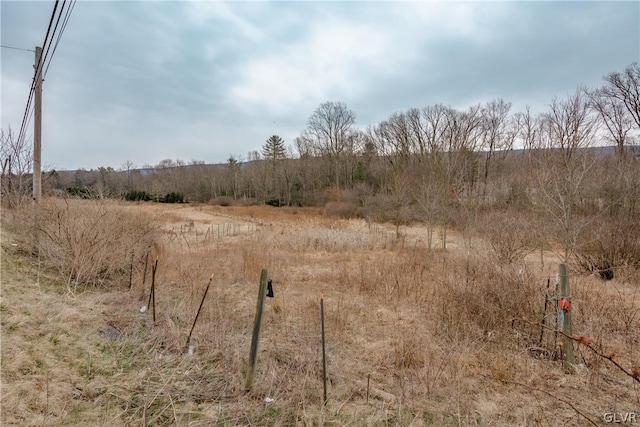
[608,150]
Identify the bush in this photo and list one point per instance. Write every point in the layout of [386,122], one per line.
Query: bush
[510,235]
[85,242]
[172,198]
[481,298]
[274,202]
[340,209]
[607,244]
[223,201]
[82,192]
[137,196]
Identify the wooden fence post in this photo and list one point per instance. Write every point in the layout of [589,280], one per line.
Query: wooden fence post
[253,354]
[565,309]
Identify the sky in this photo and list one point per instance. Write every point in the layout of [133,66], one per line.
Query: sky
[144,81]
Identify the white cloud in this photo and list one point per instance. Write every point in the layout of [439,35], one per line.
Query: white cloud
[434,22]
[344,55]
[208,12]
[328,61]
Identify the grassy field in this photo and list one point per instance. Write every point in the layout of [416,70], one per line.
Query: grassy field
[414,336]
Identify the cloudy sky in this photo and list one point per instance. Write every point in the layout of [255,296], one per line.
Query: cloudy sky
[146,81]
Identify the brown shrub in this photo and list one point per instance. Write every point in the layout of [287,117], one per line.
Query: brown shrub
[608,244]
[510,235]
[478,298]
[333,194]
[223,201]
[89,242]
[340,209]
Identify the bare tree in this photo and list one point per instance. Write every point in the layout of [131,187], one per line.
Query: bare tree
[256,175]
[127,168]
[430,196]
[563,172]
[528,130]
[465,128]
[625,87]
[416,136]
[614,105]
[497,133]
[562,190]
[462,138]
[570,125]
[330,125]
[17,160]
[614,115]
[329,131]
[381,137]
[432,189]
[304,145]
[310,170]
[400,137]
[436,126]
[418,131]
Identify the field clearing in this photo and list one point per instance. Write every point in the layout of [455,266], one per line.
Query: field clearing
[414,337]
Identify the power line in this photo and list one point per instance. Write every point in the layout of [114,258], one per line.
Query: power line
[44,56]
[16,48]
[44,43]
[24,117]
[43,59]
[38,67]
[32,111]
[64,26]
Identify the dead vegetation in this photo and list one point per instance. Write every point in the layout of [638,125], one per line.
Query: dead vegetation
[92,243]
[415,336]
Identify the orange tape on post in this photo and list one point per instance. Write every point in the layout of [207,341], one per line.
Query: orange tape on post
[565,304]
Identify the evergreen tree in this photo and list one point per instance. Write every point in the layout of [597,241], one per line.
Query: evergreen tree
[274,149]
[233,170]
[274,152]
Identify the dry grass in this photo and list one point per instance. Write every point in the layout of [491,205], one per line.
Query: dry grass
[84,242]
[414,337]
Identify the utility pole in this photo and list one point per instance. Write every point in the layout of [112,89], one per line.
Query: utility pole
[37,132]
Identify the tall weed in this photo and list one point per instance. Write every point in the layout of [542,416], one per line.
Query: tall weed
[93,243]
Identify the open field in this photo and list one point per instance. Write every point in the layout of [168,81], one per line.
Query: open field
[414,336]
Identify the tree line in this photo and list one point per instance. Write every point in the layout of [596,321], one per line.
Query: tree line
[426,157]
